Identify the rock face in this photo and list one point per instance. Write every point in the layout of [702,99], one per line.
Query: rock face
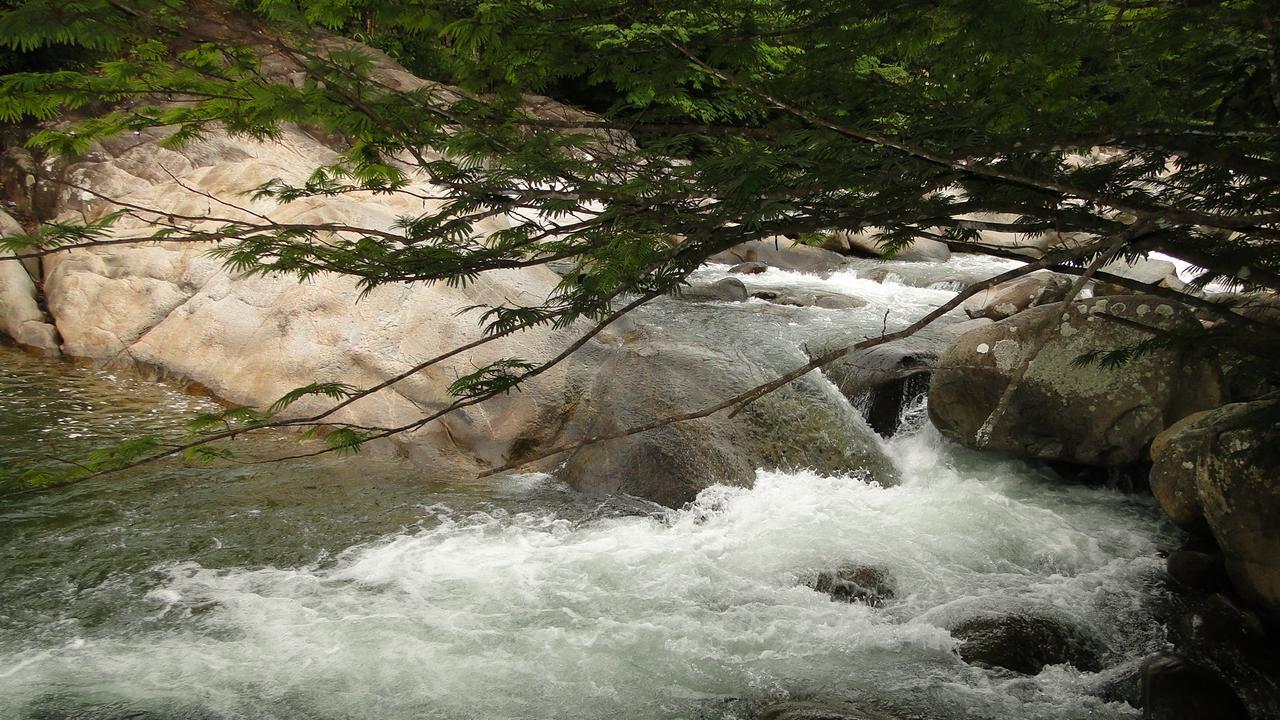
[1220,470]
[172,308]
[1009,299]
[20,315]
[1090,414]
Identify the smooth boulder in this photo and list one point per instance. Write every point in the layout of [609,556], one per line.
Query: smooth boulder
[783,254]
[640,372]
[20,315]
[1086,413]
[1011,298]
[866,243]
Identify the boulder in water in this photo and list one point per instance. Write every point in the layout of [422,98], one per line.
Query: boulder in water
[784,254]
[856,583]
[828,710]
[725,290]
[1174,688]
[749,268]
[1027,643]
[1218,470]
[636,376]
[797,297]
[1011,298]
[866,244]
[1088,414]
[883,380]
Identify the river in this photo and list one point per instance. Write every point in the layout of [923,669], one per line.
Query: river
[352,588]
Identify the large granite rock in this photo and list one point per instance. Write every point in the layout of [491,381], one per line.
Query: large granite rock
[866,243]
[1011,298]
[638,372]
[20,315]
[172,308]
[783,254]
[1088,414]
[1220,470]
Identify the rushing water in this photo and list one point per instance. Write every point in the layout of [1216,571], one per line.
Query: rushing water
[345,589]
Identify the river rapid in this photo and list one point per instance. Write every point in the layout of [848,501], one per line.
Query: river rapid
[352,588]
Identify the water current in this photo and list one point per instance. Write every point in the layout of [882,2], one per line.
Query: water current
[341,588]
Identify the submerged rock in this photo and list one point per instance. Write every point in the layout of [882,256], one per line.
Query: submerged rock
[797,297]
[856,583]
[1173,688]
[1089,413]
[831,710]
[1027,642]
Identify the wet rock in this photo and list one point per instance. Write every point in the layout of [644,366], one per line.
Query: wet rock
[784,254]
[1062,410]
[886,404]
[1173,688]
[1197,570]
[650,373]
[1026,642]
[1011,298]
[1213,632]
[749,268]
[1119,684]
[20,315]
[856,583]
[1220,466]
[1173,478]
[724,290]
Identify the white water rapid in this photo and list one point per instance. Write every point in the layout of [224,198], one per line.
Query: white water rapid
[504,604]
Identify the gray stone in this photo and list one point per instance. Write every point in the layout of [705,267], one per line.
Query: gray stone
[1174,688]
[1061,410]
[1011,298]
[783,254]
[749,268]
[866,244]
[724,290]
